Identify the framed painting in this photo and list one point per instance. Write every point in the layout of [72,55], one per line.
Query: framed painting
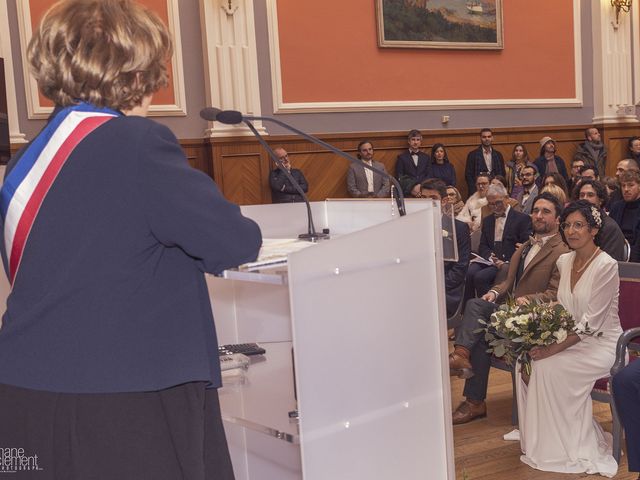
[169,101]
[461,24]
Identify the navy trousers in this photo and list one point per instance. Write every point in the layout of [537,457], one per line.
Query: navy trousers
[626,390]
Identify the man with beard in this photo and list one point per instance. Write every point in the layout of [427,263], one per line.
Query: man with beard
[532,275]
[529,188]
[484,159]
[592,151]
[626,212]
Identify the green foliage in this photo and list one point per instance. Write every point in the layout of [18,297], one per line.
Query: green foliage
[413,23]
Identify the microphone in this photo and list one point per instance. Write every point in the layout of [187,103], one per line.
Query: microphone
[232,117]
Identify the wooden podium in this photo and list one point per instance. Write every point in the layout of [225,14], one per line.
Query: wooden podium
[355,333]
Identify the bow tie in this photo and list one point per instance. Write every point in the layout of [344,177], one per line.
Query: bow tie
[413,153]
[534,241]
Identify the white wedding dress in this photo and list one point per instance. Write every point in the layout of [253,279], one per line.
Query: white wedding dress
[557,430]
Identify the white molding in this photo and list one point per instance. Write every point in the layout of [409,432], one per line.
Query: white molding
[635,29]
[37,111]
[230,62]
[15,135]
[279,106]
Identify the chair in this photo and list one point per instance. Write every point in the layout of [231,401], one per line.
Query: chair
[499,363]
[455,319]
[629,342]
[627,250]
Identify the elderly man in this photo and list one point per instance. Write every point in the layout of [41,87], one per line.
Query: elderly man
[362,182]
[532,275]
[282,190]
[502,231]
[592,151]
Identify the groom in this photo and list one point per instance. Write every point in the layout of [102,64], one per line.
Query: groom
[532,275]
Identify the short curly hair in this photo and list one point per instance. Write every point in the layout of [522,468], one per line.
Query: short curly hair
[593,215]
[111,53]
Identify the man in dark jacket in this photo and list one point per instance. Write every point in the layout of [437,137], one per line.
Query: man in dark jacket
[413,166]
[626,212]
[592,151]
[483,159]
[282,190]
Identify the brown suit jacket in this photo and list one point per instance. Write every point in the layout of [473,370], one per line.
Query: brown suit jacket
[540,279]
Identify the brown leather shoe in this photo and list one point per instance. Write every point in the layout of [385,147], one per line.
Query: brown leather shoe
[468,411]
[459,364]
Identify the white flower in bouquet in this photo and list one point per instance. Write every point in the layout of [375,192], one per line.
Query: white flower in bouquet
[561,335]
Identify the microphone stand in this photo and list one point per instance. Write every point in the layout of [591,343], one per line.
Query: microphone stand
[311,234]
[399,199]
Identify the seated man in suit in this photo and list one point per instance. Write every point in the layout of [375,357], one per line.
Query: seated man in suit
[626,212]
[454,272]
[502,231]
[413,166]
[282,190]
[362,182]
[532,275]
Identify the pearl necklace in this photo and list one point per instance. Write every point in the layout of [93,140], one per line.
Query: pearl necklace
[595,252]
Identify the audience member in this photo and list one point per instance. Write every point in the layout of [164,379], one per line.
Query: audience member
[513,168]
[557,179]
[454,199]
[362,182]
[441,167]
[529,188]
[454,272]
[576,165]
[472,210]
[592,151]
[556,191]
[628,164]
[512,202]
[282,190]
[502,231]
[613,191]
[626,390]
[611,239]
[634,149]
[414,163]
[532,275]
[484,159]
[626,212]
[588,173]
[548,161]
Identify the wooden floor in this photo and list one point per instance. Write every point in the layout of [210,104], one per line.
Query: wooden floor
[482,454]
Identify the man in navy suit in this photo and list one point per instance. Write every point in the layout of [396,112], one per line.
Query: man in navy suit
[483,159]
[502,232]
[454,272]
[626,389]
[413,164]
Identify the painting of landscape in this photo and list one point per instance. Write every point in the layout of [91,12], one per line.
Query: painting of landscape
[470,24]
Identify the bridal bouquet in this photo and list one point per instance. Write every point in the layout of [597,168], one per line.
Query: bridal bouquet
[513,330]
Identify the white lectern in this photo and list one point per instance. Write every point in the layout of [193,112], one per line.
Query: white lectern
[355,333]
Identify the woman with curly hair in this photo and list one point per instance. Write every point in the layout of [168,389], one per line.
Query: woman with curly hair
[519,159]
[557,430]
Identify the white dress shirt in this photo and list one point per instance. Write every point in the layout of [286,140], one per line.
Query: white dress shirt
[369,175]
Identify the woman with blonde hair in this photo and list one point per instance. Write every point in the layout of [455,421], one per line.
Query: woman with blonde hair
[557,192]
[108,354]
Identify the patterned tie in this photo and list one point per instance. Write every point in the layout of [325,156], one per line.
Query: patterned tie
[535,241]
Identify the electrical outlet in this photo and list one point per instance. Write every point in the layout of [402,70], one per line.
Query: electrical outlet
[445,119]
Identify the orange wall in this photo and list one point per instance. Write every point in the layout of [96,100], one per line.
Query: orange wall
[165,96]
[329,52]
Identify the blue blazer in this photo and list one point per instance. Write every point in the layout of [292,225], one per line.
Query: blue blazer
[405,166]
[517,228]
[111,293]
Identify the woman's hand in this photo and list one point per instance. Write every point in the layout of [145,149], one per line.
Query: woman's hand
[539,353]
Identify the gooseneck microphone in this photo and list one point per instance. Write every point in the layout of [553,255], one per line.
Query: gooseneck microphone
[232,117]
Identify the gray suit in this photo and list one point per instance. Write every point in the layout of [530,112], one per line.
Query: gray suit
[528,205]
[357,182]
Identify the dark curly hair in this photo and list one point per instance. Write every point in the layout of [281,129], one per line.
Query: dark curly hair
[599,187]
[592,214]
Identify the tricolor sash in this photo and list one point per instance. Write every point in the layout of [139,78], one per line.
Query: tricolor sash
[28,183]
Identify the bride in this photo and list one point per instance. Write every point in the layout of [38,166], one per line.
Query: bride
[557,430]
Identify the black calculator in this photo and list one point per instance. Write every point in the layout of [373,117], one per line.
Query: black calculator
[244,348]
